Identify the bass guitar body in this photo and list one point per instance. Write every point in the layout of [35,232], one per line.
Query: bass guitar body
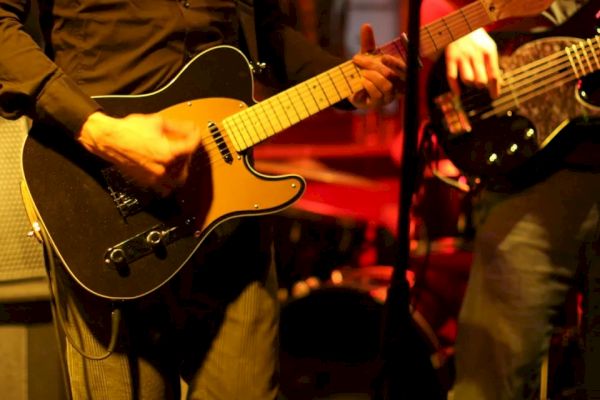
[497,140]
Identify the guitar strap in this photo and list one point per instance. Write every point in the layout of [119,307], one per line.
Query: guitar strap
[245,11]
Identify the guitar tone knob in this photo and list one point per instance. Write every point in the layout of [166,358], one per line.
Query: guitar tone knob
[116,256]
[154,238]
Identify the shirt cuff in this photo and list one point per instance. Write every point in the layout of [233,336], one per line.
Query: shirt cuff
[64,104]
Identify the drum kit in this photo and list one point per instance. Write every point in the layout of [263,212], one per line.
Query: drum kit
[335,250]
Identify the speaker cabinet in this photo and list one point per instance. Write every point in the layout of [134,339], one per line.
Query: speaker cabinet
[30,367]
[22,257]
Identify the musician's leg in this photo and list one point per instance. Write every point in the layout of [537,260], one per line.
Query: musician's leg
[591,320]
[241,361]
[241,364]
[142,365]
[527,252]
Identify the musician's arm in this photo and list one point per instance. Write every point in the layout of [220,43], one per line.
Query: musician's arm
[473,60]
[294,59]
[30,83]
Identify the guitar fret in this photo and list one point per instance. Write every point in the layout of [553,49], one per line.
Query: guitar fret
[277,112]
[234,139]
[292,104]
[300,115]
[438,34]
[597,41]
[447,28]
[254,132]
[309,101]
[242,131]
[345,79]
[426,30]
[341,84]
[287,110]
[312,96]
[256,124]
[578,57]
[302,100]
[331,96]
[334,86]
[568,51]
[262,118]
[285,122]
[246,134]
[584,51]
[257,127]
[354,76]
[313,87]
[270,119]
[269,103]
[591,45]
[281,111]
[464,17]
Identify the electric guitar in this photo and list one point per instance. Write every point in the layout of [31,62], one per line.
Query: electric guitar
[550,81]
[120,241]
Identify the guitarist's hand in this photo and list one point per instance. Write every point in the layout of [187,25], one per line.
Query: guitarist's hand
[154,152]
[473,59]
[382,75]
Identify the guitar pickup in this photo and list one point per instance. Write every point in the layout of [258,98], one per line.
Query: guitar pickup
[454,115]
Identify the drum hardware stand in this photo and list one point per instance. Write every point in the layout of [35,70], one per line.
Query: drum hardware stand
[406,371]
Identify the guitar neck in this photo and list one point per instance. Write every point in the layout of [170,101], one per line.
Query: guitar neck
[584,56]
[545,74]
[277,113]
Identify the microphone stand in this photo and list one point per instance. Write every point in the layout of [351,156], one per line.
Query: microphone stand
[406,372]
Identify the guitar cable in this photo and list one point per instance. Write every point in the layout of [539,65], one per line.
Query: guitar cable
[58,316]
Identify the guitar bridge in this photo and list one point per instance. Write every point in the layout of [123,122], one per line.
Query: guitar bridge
[455,118]
[128,198]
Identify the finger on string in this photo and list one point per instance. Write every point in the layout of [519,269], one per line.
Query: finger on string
[374,95]
[480,72]
[452,76]
[465,72]
[493,71]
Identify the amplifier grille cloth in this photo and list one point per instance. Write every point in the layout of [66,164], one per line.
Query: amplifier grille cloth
[21,255]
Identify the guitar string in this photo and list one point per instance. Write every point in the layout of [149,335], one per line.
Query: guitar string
[511,78]
[524,97]
[300,91]
[512,90]
[559,72]
[516,82]
[532,82]
[560,65]
[525,68]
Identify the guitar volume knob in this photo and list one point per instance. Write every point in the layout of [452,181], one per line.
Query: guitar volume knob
[154,238]
[116,256]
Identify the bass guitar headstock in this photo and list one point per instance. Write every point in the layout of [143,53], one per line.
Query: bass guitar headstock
[501,9]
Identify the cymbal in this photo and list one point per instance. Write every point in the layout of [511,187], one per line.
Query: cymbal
[314,171]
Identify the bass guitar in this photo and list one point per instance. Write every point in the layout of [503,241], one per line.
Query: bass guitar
[119,241]
[549,82]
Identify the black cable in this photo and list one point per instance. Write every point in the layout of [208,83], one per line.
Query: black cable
[59,318]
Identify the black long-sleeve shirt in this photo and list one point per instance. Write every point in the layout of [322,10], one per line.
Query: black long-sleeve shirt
[97,47]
